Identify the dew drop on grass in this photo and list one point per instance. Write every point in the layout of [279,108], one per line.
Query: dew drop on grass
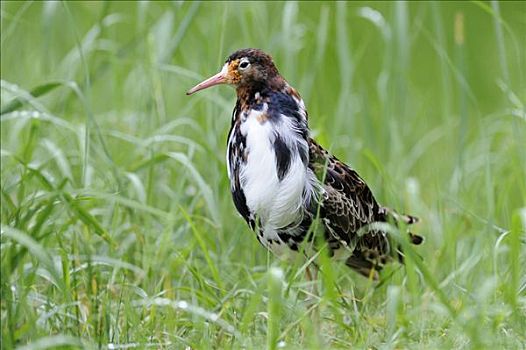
[276,272]
[182,305]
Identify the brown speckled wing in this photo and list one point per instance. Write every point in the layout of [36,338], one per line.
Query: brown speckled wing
[348,205]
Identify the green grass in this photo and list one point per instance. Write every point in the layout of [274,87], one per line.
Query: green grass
[118,229]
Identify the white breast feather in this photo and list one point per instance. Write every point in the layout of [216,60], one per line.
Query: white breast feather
[258,177]
[231,141]
[277,203]
[289,200]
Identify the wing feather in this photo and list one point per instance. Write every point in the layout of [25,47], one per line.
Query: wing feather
[348,205]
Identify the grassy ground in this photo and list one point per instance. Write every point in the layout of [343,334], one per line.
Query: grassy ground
[118,229]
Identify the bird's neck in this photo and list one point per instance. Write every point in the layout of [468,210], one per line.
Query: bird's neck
[246,92]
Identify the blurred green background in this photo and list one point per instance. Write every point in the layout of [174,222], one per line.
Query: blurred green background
[118,229]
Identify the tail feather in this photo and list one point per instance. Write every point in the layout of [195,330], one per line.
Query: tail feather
[415,239]
[406,219]
[372,252]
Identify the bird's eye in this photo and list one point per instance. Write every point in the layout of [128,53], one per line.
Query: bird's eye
[244,64]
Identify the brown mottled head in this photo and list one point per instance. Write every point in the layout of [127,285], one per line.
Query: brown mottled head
[245,69]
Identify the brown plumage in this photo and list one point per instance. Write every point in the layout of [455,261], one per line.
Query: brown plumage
[349,206]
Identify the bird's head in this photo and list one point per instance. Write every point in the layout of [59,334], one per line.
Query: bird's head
[244,69]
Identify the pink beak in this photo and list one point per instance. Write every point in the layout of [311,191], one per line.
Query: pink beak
[219,78]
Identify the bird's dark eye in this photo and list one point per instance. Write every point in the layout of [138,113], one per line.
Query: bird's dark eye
[244,64]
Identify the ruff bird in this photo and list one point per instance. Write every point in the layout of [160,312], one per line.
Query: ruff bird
[282,181]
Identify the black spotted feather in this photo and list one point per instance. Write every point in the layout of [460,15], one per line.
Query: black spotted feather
[347,207]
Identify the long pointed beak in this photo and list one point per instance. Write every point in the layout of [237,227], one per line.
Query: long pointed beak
[219,78]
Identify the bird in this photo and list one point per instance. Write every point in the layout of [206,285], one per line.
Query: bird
[284,183]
